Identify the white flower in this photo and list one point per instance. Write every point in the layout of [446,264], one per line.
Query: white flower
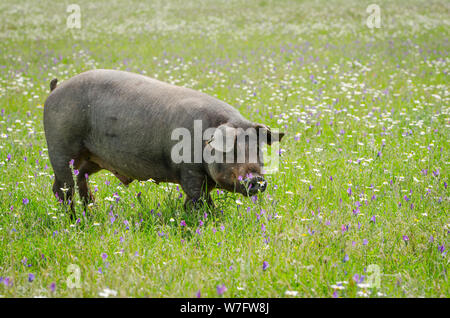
[107,292]
[291,293]
[339,287]
[362,285]
[363,293]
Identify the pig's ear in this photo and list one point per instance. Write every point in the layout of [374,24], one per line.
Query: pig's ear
[266,135]
[223,139]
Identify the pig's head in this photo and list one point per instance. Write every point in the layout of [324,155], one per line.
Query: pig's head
[234,157]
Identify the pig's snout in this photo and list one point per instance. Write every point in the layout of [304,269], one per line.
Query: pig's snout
[255,184]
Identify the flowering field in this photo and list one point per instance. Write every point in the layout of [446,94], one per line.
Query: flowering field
[358,208]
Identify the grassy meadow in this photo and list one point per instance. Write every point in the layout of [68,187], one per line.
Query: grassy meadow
[358,208]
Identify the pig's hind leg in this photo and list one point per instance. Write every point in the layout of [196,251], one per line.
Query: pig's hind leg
[63,186]
[87,168]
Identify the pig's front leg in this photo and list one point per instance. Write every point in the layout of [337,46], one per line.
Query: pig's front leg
[197,187]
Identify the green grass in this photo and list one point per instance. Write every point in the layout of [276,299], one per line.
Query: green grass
[367,107]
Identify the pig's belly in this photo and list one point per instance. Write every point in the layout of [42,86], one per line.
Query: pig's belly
[124,163]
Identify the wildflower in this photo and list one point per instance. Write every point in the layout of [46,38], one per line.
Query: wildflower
[198,294]
[107,292]
[221,289]
[7,281]
[30,277]
[183,223]
[53,287]
[365,241]
[104,256]
[346,258]
[25,201]
[373,219]
[405,238]
[349,191]
[265,265]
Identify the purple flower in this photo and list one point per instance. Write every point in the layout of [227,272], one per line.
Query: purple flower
[71,162]
[8,157]
[30,277]
[221,289]
[76,172]
[265,265]
[365,242]
[373,219]
[104,256]
[53,287]
[349,190]
[405,238]
[198,294]
[25,201]
[436,173]
[441,248]
[183,223]
[346,258]
[7,281]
